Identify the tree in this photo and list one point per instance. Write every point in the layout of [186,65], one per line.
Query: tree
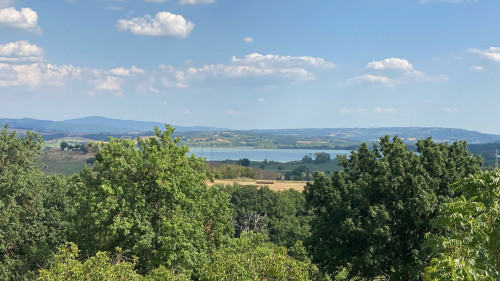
[468,242]
[251,257]
[282,215]
[64,145]
[372,217]
[101,267]
[321,157]
[306,159]
[151,201]
[244,162]
[33,208]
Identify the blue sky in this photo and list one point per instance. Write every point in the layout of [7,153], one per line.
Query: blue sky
[246,64]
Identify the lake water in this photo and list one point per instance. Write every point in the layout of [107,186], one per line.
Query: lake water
[255,154]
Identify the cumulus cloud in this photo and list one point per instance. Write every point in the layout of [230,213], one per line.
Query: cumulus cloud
[110,83]
[36,74]
[396,71]
[248,40]
[164,24]
[120,71]
[196,2]
[384,110]
[20,51]
[25,19]
[492,53]
[390,63]
[372,79]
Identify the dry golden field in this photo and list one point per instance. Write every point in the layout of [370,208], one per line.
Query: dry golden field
[277,186]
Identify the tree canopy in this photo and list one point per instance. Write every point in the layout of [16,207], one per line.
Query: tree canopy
[371,217]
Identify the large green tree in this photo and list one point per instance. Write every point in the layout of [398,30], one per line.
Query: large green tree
[151,200]
[33,208]
[371,217]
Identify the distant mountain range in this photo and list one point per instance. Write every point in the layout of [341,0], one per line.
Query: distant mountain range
[102,125]
[93,125]
[409,134]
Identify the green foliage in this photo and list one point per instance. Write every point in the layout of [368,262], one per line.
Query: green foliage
[469,240]
[226,171]
[372,217]
[321,157]
[282,215]
[100,267]
[33,208]
[151,201]
[244,162]
[251,257]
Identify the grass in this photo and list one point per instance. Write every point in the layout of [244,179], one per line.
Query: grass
[64,162]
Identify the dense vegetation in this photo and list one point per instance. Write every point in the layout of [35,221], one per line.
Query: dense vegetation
[144,212]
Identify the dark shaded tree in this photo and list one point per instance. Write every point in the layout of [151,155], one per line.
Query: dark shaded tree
[371,217]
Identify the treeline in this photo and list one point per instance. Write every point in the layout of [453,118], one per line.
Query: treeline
[146,213]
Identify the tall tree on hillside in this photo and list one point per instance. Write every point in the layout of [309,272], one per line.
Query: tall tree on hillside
[371,217]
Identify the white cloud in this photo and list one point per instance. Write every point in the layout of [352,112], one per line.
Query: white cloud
[187,111]
[20,51]
[25,19]
[164,24]
[196,2]
[390,63]
[477,68]
[450,110]
[282,61]
[492,53]
[260,99]
[155,1]
[346,110]
[110,83]
[405,74]
[254,70]
[384,110]
[36,74]
[120,71]
[248,40]
[372,79]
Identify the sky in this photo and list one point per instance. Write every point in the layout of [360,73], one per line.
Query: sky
[254,64]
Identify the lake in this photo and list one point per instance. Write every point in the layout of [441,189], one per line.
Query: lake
[255,154]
